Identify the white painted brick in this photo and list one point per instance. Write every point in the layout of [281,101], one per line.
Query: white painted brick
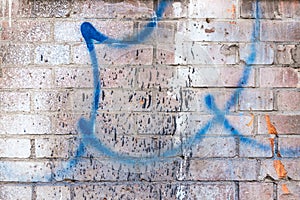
[15,148]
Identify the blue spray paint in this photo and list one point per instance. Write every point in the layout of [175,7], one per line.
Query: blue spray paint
[87,126]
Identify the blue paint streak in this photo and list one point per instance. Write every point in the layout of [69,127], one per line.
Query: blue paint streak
[87,126]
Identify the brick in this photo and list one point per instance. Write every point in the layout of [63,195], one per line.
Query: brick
[176,10]
[58,147]
[53,192]
[280,31]
[284,124]
[288,190]
[155,77]
[164,33]
[256,100]
[105,170]
[275,9]
[41,9]
[251,148]
[25,78]
[225,169]
[256,190]
[215,147]
[52,54]
[26,31]
[118,77]
[21,148]
[278,77]
[296,54]
[284,55]
[217,9]
[289,147]
[127,9]
[51,100]
[73,77]
[264,53]
[216,31]
[205,191]
[25,171]
[135,55]
[69,31]
[15,101]
[198,53]
[16,54]
[167,101]
[156,124]
[213,77]
[290,165]
[288,100]
[194,99]
[24,124]
[17,192]
[64,123]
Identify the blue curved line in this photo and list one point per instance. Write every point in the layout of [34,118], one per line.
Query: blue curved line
[87,127]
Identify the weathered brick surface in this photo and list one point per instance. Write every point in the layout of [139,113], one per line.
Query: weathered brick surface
[202,102]
[259,191]
[18,192]
[53,192]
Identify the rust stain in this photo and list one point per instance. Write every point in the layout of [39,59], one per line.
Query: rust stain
[285,189]
[270,126]
[210,30]
[280,170]
[251,121]
[272,145]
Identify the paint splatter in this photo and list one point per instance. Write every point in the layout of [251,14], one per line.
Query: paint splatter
[270,126]
[285,189]
[280,169]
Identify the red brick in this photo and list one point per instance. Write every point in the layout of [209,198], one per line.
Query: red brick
[52,54]
[289,146]
[118,77]
[156,124]
[264,53]
[280,31]
[214,77]
[288,190]
[278,77]
[99,9]
[11,101]
[21,148]
[215,147]
[239,31]
[256,190]
[283,54]
[225,169]
[15,192]
[16,55]
[53,192]
[288,100]
[216,9]
[290,165]
[25,78]
[250,150]
[251,99]
[135,55]
[69,31]
[284,124]
[58,147]
[155,77]
[194,99]
[26,31]
[24,124]
[25,171]
[51,100]
[73,77]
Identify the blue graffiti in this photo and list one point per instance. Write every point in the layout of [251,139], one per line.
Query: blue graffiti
[87,126]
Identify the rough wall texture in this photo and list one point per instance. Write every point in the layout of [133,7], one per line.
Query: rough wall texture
[132,99]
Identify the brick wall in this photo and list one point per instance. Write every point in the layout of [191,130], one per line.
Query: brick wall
[192,99]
